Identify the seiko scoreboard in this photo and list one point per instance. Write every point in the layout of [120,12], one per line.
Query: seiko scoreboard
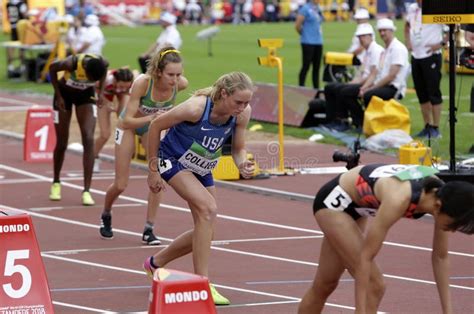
[448,11]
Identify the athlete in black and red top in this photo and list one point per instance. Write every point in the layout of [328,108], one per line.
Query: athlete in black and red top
[387,192]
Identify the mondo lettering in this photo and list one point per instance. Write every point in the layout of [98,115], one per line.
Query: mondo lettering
[186,296]
[14,228]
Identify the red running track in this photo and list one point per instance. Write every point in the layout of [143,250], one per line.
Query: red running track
[264,256]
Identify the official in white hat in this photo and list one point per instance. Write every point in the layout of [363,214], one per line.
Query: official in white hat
[386,24]
[342,99]
[361,14]
[170,36]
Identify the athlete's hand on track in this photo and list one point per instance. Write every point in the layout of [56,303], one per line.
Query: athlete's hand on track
[155,182]
[247,169]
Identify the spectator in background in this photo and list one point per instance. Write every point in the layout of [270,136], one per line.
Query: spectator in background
[74,35]
[170,36]
[80,8]
[308,25]
[258,11]
[272,10]
[399,8]
[16,11]
[390,79]
[193,12]
[469,61]
[343,98]
[425,42]
[361,16]
[91,38]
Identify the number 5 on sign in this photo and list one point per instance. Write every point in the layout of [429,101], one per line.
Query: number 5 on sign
[11,269]
[23,282]
[40,138]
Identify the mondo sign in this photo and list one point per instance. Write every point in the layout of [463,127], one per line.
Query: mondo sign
[23,284]
[448,11]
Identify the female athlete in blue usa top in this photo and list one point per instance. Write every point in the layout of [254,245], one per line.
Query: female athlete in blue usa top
[187,155]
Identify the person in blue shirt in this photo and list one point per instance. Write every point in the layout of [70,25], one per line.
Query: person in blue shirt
[308,25]
[198,128]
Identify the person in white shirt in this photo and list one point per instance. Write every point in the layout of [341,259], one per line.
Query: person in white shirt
[361,16]
[342,98]
[170,36]
[389,81]
[89,38]
[425,42]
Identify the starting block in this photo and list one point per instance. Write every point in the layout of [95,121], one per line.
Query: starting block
[23,284]
[40,135]
[175,292]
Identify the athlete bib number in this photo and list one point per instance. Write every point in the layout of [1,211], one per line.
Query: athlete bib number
[338,199]
[118,136]
[164,165]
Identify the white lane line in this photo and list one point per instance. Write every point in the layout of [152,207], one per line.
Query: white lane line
[260,304]
[45,209]
[84,308]
[13,108]
[110,249]
[277,282]
[69,179]
[220,242]
[250,221]
[18,102]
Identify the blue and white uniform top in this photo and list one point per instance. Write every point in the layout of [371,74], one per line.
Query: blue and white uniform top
[196,146]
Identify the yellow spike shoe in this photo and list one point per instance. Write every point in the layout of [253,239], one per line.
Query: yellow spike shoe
[87,199]
[55,192]
[217,297]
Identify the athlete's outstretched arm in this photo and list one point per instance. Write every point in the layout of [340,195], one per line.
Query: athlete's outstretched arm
[440,263]
[138,90]
[239,153]
[392,208]
[55,67]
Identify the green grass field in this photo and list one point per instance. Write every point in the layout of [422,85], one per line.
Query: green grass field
[235,48]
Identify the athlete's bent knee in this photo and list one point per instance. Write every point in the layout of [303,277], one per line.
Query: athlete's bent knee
[207,211]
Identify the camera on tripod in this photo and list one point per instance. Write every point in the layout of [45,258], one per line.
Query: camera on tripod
[351,158]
